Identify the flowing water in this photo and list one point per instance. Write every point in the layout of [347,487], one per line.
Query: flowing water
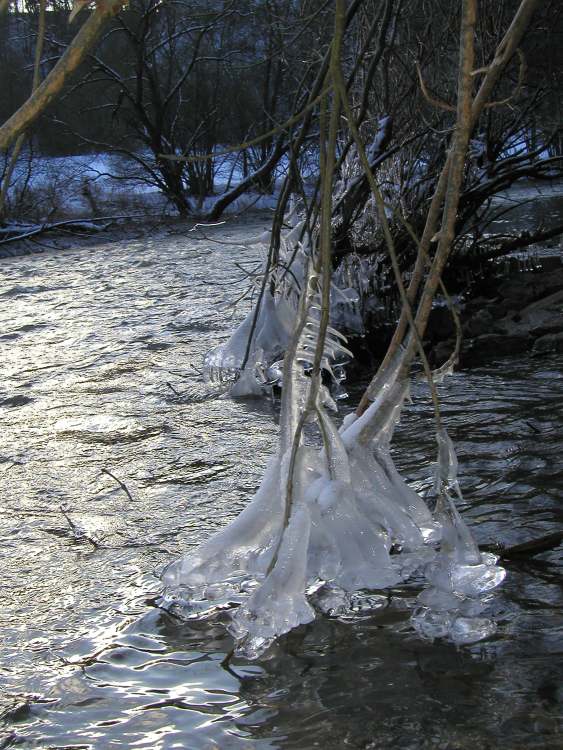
[528,207]
[92,343]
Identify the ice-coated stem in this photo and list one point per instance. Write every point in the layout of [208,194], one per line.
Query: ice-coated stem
[342,518]
[328,158]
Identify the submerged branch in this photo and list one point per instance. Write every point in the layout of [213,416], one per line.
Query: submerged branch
[525,549]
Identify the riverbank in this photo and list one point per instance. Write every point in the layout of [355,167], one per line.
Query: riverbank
[89,233]
[518,313]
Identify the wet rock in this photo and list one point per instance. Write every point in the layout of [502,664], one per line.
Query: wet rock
[442,352]
[547,327]
[506,308]
[545,316]
[525,316]
[481,323]
[440,324]
[548,344]
[476,304]
[524,288]
[488,347]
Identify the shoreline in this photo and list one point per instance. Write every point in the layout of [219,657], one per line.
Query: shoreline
[517,313]
[116,230]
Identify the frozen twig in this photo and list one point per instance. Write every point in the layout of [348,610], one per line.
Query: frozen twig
[77,531]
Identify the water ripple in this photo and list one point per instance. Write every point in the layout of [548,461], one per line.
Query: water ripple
[88,661]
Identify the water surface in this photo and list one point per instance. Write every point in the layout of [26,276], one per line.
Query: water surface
[91,341]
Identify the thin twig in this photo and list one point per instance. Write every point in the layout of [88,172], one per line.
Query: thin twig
[36,80]
[293,120]
[339,84]
[120,483]
[53,83]
[323,269]
[440,103]
[77,531]
[503,54]
[172,389]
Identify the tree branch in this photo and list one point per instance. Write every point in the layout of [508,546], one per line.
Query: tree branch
[52,85]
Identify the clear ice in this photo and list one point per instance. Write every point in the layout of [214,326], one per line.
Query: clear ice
[251,360]
[327,526]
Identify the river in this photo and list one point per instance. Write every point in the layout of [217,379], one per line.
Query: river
[94,342]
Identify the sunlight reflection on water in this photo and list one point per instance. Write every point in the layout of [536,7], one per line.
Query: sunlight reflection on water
[94,336]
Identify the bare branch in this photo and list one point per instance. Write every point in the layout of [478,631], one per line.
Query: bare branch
[52,85]
[440,103]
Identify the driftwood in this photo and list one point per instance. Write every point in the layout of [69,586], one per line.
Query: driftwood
[81,225]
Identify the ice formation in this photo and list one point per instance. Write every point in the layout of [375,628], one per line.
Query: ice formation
[460,574]
[251,360]
[329,524]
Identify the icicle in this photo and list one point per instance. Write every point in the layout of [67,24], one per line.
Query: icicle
[442,372]
[279,604]
[460,574]
[327,524]
[269,339]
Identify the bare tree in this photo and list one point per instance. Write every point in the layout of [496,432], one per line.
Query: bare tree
[183,81]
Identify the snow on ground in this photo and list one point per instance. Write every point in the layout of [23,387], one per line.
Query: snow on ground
[83,185]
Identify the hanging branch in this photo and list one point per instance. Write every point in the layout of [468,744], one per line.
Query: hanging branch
[52,85]
[455,173]
[453,359]
[323,269]
[503,55]
[330,517]
[439,103]
[339,82]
